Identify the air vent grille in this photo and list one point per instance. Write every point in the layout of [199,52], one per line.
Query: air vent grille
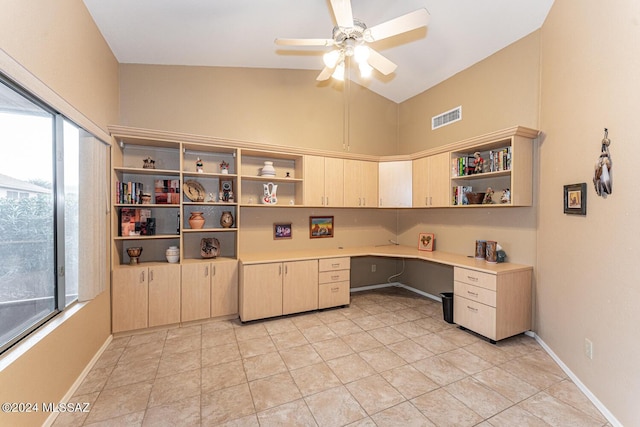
[446,118]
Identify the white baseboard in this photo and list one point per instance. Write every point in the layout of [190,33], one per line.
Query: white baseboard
[371,287]
[398,285]
[603,409]
[65,399]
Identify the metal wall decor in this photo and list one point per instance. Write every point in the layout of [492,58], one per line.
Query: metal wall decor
[602,174]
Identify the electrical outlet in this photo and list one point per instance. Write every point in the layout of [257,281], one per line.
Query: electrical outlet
[588,348]
[373,268]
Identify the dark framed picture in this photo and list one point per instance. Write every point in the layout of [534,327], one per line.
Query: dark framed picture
[320,226]
[575,199]
[425,242]
[282,231]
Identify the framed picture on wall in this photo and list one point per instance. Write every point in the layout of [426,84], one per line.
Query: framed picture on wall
[282,231]
[425,241]
[320,226]
[575,199]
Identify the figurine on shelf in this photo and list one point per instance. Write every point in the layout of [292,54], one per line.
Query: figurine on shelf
[211,198]
[149,163]
[224,167]
[506,196]
[478,163]
[488,197]
[199,166]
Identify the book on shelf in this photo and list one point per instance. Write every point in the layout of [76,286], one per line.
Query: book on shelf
[129,192]
[136,222]
[459,194]
[463,166]
[500,160]
[167,191]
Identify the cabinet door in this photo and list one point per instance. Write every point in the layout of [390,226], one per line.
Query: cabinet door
[439,180]
[224,288]
[352,183]
[395,184]
[130,298]
[313,181]
[300,286]
[334,181]
[261,291]
[370,184]
[420,179]
[196,291]
[164,295]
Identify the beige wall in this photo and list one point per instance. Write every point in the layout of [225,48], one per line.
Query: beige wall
[588,267]
[58,43]
[281,107]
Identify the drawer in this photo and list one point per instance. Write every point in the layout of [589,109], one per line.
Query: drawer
[475,316]
[475,293]
[473,277]
[333,294]
[334,276]
[330,264]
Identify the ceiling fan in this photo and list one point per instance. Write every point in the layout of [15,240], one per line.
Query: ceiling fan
[350,37]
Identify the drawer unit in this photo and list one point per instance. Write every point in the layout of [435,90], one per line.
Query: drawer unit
[333,294]
[331,264]
[333,276]
[475,293]
[476,278]
[334,282]
[478,317]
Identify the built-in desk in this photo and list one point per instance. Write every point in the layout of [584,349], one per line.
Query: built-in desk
[493,300]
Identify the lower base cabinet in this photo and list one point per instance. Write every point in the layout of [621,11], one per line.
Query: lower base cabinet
[209,289]
[145,296]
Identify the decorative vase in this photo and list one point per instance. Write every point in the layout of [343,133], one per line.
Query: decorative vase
[269,196]
[209,247]
[134,255]
[268,169]
[226,220]
[196,220]
[173,254]
[145,198]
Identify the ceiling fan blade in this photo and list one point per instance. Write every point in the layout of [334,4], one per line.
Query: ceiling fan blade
[304,42]
[381,63]
[342,12]
[324,74]
[402,24]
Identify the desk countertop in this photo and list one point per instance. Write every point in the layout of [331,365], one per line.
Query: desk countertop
[389,251]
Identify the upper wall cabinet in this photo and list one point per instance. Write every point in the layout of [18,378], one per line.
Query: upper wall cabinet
[323,181]
[360,184]
[431,181]
[394,184]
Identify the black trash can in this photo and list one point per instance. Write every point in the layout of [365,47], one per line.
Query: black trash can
[447,306]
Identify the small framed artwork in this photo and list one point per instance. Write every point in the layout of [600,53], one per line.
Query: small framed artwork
[282,231]
[575,199]
[320,226]
[425,242]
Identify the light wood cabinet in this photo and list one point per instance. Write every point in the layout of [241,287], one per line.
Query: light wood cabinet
[224,288]
[145,296]
[334,282]
[360,183]
[496,306]
[323,181]
[209,289]
[300,286]
[394,184]
[431,181]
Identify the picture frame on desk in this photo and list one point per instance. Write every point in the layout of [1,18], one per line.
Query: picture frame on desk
[320,227]
[575,199]
[282,231]
[425,242]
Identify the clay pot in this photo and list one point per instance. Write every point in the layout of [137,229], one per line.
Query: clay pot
[196,220]
[226,219]
[209,247]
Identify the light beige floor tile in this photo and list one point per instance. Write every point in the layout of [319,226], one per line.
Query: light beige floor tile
[557,413]
[129,420]
[148,337]
[529,372]
[184,331]
[301,356]
[350,368]
[386,335]
[175,387]
[518,345]
[353,312]
[411,329]
[216,325]
[331,315]
[120,401]
[409,381]
[489,352]
[183,344]
[146,350]
[542,361]
[73,419]
[444,410]
[435,343]
[432,325]
[290,414]
[256,346]
[220,354]
[314,378]
[409,351]
[335,407]
[382,359]
[374,394]
[95,380]
[368,322]
[134,372]
[318,333]
[459,337]
[224,375]
[364,422]
[263,365]
[404,414]
[480,398]
[390,318]
[410,314]
[506,384]
[361,341]
[333,348]
[248,332]
[344,327]
[289,339]
[226,404]
[247,421]
[393,304]
[216,338]
[119,343]
[373,308]
[185,412]
[516,416]
[465,361]
[109,358]
[171,363]
[278,326]
[307,320]
[567,392]
[439,370]
[273,391]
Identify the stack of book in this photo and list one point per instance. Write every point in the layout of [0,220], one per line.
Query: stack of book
[129,192]
[458,193]
[136,222]
[167,191]
[463,166]
[500,160]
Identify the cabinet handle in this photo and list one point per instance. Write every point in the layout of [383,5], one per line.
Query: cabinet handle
[327,200]
[150,276]
[474,279]
[430,202]
[426,201]
[286,269]
[335,277]
[280,271]
[322,201]
[475,310]
[142,277]
[475,294]
[364,201]
[335,289]
[359,201]
[380,201]
[335,265]
[214,270]
[206,271]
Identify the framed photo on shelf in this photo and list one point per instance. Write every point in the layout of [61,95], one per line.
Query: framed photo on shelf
[320,226]
[425,242]
[575,199]
[282,231]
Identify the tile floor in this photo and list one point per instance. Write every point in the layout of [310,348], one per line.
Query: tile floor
[386,360]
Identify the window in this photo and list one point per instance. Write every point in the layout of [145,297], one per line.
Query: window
[40,202]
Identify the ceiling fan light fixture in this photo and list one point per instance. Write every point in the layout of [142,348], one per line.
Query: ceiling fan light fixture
[338,73]
[365,69]
[361,54]
[331,58]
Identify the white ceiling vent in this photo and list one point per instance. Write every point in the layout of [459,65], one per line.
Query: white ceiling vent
[446,118]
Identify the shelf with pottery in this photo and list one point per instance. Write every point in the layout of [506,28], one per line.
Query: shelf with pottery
[270,178]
